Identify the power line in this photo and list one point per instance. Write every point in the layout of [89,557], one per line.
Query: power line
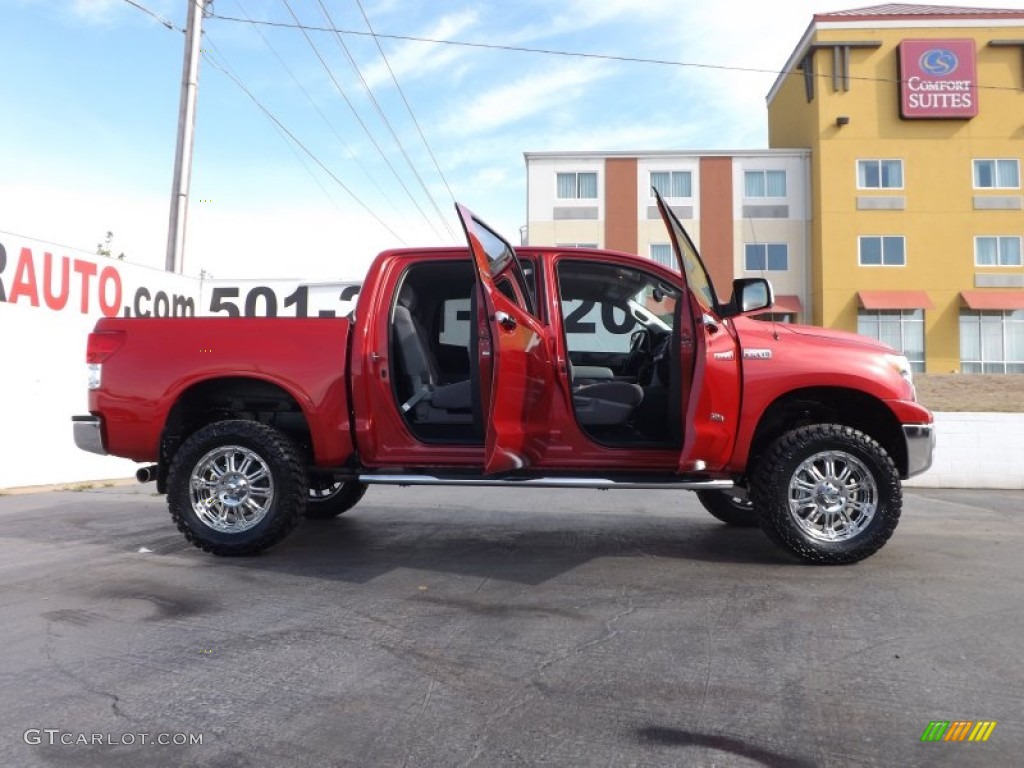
[291,147]
[166,22]
[401,93]
[320,112]
[387,123]
[366,130]
[302,146]
[572,54]
[225,69]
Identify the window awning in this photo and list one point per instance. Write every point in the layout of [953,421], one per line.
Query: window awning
[993,299]
[894,300]
[787,305]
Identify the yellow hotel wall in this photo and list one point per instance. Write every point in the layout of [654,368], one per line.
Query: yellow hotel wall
[939,221]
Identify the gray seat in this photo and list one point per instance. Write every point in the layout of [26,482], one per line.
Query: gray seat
[605,403]
[419,376]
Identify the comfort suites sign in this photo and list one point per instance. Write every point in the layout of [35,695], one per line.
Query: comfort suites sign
[938,79]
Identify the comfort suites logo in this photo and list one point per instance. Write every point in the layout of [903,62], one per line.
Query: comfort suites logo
[938,79]
[938,62]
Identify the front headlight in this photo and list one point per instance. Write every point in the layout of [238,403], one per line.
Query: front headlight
[902,366]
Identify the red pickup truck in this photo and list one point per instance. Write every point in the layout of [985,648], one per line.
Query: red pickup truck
[576,368]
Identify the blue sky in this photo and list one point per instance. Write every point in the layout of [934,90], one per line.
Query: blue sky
[90,100]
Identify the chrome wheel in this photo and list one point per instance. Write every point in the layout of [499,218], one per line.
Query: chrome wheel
[231,489]
[832,496]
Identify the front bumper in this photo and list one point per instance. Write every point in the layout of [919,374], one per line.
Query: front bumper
[89,434]
[920,439]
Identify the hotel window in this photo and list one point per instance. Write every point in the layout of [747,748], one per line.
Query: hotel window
[991,341]
[770,257]
[764,184]
[901,329]
[997,174]
[883,251]
[990,251]
[672,183]
[577,186]
[576,245]
[662,253]
[880,174]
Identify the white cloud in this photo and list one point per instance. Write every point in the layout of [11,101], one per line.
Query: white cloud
[412,60]
[95,11]
[550,90]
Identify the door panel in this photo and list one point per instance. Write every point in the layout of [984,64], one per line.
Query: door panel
[521,380]
[710,393]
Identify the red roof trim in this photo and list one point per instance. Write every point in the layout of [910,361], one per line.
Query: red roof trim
[787,305]
[996,300]
[894,300]
[903,11]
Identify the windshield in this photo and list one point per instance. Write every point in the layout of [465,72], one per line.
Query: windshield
[693,268]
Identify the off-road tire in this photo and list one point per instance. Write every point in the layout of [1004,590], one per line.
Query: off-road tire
[328,498]
[268,449]
[731,510]
[872,484]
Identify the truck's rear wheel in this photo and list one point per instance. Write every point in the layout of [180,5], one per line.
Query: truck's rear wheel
[828,493]
[329,497]
[236,487]
[729,508]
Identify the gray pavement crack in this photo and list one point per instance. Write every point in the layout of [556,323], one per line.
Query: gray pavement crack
[115,700]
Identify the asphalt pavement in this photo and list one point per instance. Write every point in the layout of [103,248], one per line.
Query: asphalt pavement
[461,627]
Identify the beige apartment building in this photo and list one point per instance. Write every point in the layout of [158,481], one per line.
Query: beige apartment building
[747,211]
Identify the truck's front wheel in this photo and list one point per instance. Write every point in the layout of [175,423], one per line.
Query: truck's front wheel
[828,493]
[236,487]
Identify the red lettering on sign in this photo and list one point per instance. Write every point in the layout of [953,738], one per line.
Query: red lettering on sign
[107,276]
[56,301]
[25,280]
[87,270]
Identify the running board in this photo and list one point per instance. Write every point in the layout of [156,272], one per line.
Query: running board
[597,483]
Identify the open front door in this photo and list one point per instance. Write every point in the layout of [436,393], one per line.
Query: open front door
[709,359]
[518,388]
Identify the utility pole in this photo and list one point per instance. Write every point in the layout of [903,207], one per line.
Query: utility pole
[186,132]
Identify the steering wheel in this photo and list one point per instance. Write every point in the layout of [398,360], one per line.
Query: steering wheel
[639,363]
[660,359]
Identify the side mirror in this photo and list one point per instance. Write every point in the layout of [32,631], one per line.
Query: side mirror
[750,294]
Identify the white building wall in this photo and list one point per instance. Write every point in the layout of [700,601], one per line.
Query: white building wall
[976,450]
[542,200]
[46,314]
[794,229]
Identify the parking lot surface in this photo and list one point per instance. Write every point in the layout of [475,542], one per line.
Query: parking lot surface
[459,627]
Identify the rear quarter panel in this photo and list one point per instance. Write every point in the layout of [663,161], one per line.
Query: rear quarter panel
[161,358]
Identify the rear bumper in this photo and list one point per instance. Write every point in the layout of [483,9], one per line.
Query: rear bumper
[89,434]
[920,440]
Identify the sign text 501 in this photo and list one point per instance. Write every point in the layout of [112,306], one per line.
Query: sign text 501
[263,301]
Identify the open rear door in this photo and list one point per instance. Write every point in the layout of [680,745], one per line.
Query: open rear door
[710,376]
[519,387]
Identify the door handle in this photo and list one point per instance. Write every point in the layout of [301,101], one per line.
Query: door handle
[506,321]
